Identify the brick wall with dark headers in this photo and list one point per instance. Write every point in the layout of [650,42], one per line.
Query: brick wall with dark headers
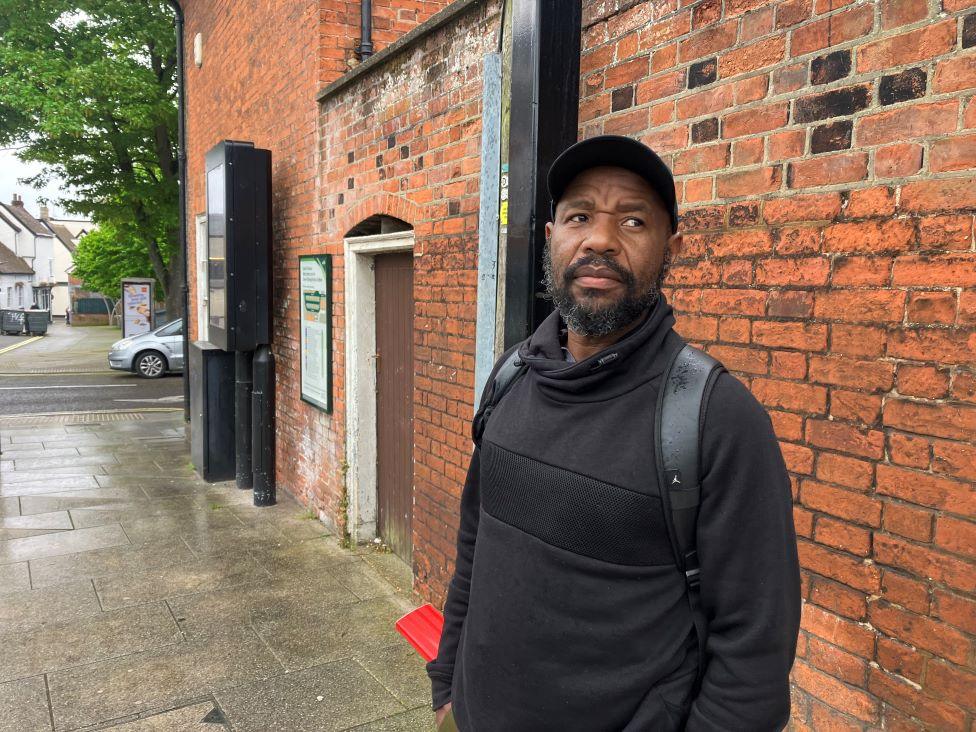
[824,153]
[404,141]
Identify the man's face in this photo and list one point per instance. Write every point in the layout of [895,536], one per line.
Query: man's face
[606,251]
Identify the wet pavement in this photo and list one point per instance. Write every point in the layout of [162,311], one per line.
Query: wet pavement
[133,596]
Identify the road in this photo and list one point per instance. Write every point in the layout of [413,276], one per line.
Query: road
[66,371]
[45,393]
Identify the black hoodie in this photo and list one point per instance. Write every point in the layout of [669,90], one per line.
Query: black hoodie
[566,610]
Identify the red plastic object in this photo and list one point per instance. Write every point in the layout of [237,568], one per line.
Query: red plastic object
[422,628]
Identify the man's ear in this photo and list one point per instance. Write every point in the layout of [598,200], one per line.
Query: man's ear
[548,230]
[676,242]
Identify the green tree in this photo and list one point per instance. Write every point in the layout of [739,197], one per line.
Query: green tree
[104,256]
[89,89]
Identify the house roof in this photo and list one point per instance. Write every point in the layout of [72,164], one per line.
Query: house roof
[10,263]
[64,236]
[29,222]
[10,220]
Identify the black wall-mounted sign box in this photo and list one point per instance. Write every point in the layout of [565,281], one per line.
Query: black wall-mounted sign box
[239,245]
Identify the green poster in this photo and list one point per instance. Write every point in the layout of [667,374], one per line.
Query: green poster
[315,283]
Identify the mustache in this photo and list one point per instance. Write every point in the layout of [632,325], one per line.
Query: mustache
[626,276]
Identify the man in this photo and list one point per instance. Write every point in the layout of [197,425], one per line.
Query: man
[567,610]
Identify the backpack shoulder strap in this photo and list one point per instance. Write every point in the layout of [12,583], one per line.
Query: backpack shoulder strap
[688,377]
[505,376]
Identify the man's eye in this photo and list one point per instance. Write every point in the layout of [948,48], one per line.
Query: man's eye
[577,218]
[633,222]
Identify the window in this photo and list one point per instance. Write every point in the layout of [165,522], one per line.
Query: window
[171,329]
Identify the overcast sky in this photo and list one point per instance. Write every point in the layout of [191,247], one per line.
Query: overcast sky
[11,169]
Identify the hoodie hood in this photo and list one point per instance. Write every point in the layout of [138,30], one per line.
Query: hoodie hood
[618,368]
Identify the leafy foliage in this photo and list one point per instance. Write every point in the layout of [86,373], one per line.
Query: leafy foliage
[104,257]
[89,87]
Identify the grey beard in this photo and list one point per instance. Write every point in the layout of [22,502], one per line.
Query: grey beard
[596,321]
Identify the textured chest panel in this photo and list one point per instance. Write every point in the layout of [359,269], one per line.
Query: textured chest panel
[572,511]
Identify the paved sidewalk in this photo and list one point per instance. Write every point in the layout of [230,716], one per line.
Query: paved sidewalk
[133,596]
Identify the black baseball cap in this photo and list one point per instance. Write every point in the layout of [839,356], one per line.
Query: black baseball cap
[618,152]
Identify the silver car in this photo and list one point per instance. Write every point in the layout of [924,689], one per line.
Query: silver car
[151,354]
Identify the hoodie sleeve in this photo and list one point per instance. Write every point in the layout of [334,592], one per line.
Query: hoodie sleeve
[750,577]
[441,669]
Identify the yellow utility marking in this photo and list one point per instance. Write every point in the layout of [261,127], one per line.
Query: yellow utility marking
[18,345]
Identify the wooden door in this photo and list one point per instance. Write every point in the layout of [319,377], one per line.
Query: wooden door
[394,401]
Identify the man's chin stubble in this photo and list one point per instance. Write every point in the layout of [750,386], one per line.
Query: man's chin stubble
[590,320]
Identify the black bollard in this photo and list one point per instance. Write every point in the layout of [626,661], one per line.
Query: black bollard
[242,418]
[262,427]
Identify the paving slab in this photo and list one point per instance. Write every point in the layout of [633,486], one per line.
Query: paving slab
[302,559]
[95,498]
[38,451]
[367,581]
[28,609]
[14,577]
[421,718]
[400,669]
[128,559]
[194,524]
[287,520]
[51,545]
[262,607]
[51,520]
[220,541]
[28,484]
[53,646]
[332,696]
[177,580]
[23,706]
[132,511]
[202,717]
[47,464]
[303,635]
[9,506]
[16,527]
[157,679]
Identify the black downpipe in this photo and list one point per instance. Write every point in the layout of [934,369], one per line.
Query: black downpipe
[181,163]
[263,427]
[242,418]
[365,49]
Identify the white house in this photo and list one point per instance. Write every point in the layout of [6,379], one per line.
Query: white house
[34,243]
[67,233]
[16,276]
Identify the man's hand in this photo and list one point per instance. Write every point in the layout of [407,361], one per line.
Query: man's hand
[439,714]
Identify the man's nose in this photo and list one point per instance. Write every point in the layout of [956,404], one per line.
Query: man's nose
[601,238]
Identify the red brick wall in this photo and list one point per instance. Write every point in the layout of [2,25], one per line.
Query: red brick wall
[263,63]
[824,152]
[412,128]
[339,30]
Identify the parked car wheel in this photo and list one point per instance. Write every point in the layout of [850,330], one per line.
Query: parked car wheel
[150,364]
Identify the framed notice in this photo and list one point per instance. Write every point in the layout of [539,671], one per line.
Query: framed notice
[315,295]
[138,297]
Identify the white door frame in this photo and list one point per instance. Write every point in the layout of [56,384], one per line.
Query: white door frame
[360,307]
[203,282]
